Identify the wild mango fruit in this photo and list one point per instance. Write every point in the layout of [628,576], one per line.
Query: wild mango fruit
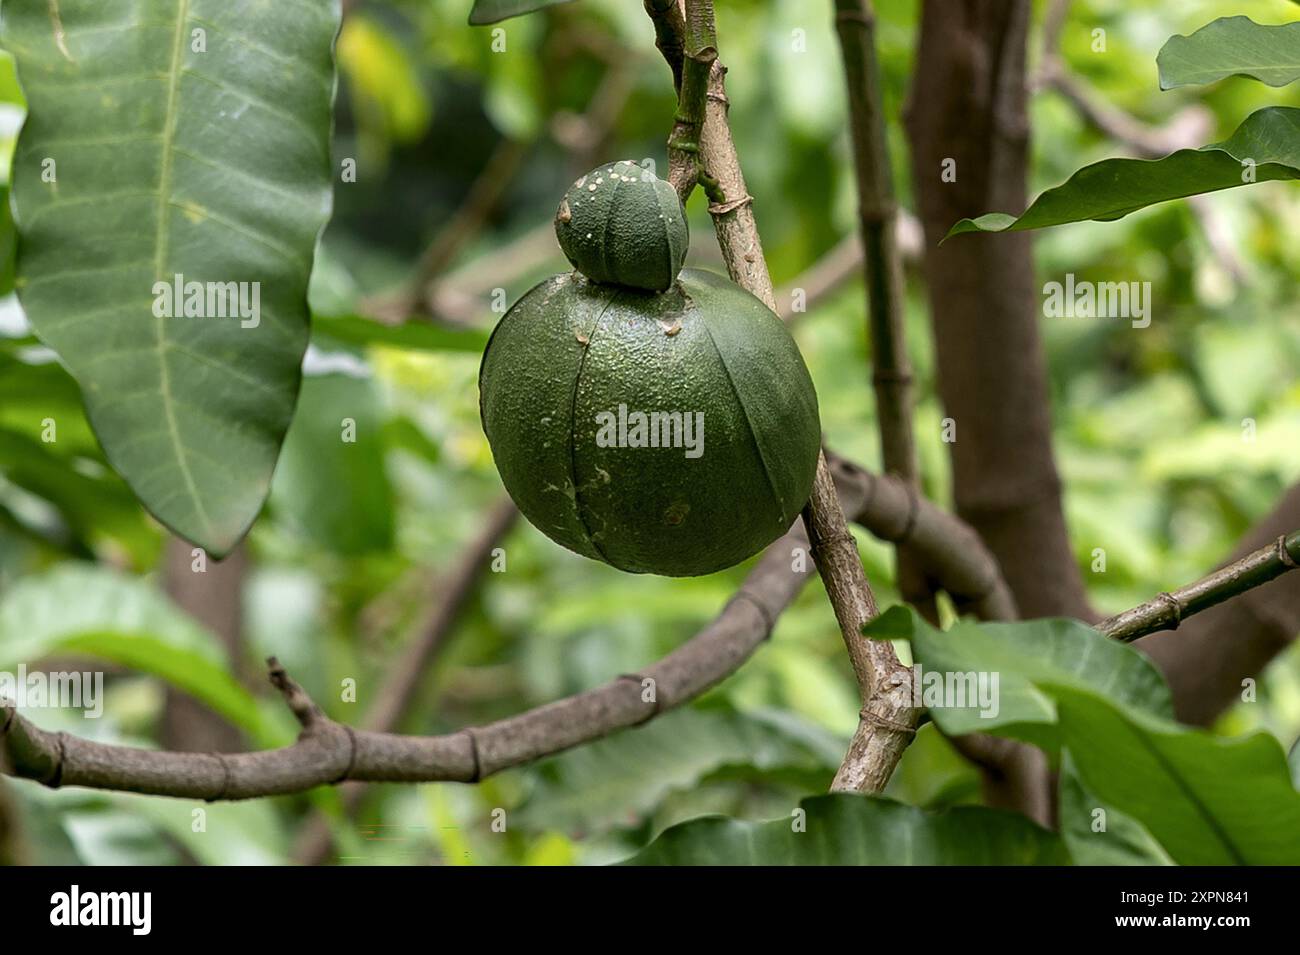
[670,432]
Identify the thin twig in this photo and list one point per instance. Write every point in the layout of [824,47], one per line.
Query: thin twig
[882,269]
[1167,610]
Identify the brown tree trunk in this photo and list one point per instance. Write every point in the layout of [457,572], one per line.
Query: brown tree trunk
[969,137]
[968,106]
[215,599]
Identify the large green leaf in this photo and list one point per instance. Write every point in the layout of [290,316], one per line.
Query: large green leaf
[1099,834]
[84,609]
[1206,800]
[165,138]
[331,481]
[1020,656]
[849,829]
[493,11]
[1231,46]
[1113,188]
[630,773]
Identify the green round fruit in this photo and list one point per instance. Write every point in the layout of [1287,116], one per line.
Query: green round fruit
[620,225]
[571,366]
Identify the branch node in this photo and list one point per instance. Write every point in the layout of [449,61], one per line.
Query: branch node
[886,722]
[57,780]
[890,376]
[639,680]
[225,778]
[352,753]
[913,514]
[477,775]
[1172,602]
[722,208]
[1283,554]
[768,622]
[855,16]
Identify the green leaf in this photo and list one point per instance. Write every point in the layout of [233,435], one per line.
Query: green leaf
[1206,800]
[627,775]
[1113,188]
[849,829]
[1231,46]
[1099,834]
[331,481]
[90,503]
[493,11]
[1019,656]
[84,609]
[165,138]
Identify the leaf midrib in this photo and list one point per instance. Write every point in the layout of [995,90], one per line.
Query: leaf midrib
[162,245]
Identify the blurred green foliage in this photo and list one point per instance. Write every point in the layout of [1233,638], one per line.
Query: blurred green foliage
[1148,426]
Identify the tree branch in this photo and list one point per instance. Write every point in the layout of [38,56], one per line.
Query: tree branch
[328,752]
[1167,610]
[670,34]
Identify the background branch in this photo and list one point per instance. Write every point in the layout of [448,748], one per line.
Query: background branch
[882,270]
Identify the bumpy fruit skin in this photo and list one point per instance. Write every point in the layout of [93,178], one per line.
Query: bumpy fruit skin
[570,349]
[621,225]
